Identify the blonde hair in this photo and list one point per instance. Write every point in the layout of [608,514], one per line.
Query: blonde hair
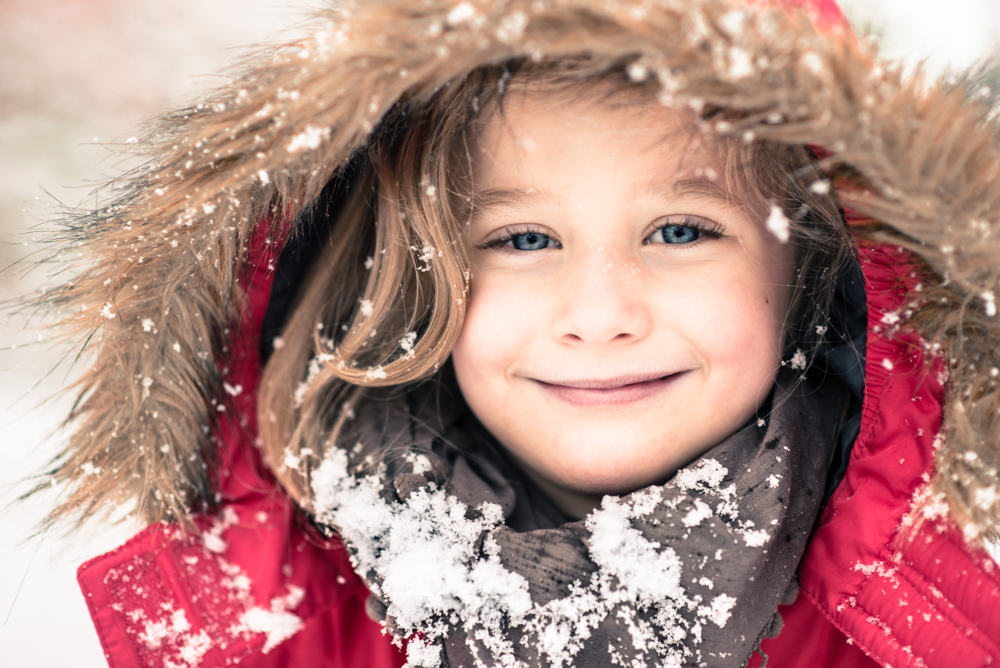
[385,301]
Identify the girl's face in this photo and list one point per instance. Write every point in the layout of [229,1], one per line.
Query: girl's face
[625,314]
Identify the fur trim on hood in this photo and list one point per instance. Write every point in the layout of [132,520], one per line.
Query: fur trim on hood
[158,280]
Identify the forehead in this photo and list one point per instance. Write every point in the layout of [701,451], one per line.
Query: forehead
[538,136]
[528,115]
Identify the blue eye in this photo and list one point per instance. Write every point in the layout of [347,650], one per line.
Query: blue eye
[530,241]
[676,234]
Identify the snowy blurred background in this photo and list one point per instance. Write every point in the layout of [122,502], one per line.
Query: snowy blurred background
[79,77]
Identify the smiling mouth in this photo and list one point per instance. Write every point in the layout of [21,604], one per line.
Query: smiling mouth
[618,391]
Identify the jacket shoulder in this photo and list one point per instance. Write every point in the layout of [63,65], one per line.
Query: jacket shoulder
[907,592]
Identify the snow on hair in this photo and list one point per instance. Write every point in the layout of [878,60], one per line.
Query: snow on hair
[385,302]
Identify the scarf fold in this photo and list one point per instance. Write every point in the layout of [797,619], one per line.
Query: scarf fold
[477,568]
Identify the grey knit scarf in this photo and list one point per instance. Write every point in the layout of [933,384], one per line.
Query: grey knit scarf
[477,568]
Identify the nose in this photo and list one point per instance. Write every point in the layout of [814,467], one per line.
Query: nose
[601,300]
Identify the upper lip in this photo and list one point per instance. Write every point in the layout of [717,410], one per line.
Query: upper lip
[612,383]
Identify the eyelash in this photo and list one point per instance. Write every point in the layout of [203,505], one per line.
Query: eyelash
[500,243]
[706,228]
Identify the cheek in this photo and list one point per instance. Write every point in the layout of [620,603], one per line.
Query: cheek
[497,325]
[733,318]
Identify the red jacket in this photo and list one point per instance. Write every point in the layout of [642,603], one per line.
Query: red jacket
[868,596]
[258,587]
[866,588]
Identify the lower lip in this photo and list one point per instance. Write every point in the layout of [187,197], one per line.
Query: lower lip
[618,396]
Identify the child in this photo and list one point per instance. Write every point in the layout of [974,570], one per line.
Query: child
[535,331]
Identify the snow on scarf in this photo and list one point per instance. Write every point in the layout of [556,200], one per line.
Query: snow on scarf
[687,573]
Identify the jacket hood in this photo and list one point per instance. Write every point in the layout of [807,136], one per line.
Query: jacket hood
[157,291]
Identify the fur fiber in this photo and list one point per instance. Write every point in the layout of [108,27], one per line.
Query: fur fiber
[157,286]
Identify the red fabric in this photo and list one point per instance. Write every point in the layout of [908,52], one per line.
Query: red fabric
[922,599]
[824,13]
[171,597]
[808,638]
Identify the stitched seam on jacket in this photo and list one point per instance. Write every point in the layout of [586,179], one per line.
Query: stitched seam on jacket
[101,635]
[923,586]
[834,620]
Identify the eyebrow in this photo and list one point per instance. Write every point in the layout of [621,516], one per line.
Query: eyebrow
[701,188]
[496,198]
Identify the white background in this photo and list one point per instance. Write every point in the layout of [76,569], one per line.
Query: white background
[76,70]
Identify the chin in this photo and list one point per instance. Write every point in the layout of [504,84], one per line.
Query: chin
[600,479]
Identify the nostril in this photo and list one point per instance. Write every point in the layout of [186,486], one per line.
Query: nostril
[593,311]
